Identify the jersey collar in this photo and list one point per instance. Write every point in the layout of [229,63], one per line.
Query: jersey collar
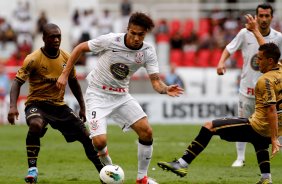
[47,55]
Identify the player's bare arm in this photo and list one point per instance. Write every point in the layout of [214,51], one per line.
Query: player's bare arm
[77,92]
[252,26]
[221,68]
[273,121]
[14,95]
[77,51]
[162,88]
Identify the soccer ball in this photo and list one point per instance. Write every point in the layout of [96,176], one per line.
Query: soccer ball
[112,174]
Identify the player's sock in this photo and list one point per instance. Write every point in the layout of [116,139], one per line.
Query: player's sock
[182,162]
[145,150]
[266,175]
[263,160]
[32,149]
[104,156]
[197,145]
[241,147]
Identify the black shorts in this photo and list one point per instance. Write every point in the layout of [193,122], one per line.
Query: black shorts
[238,130]
[61,118]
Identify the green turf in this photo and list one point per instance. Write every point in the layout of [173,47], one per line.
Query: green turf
[62,163]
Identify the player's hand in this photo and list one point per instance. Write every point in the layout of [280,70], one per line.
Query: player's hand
[174,90]
[251,24]
[221,69]
[62,82]
[12,115]
[275,147]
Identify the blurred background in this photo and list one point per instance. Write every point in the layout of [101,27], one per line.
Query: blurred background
[189,37]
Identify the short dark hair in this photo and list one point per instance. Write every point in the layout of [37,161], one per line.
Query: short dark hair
[47,27]
[141,19]
[271,50]
[265,6]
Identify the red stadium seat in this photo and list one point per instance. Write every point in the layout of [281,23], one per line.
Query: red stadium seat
[204,26]
[189,58]
[203,57]
[174,26]
[162,37]
[176,57]
[216,54]
[188,28]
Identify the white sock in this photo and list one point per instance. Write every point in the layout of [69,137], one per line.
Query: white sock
[241,147]
[182,162]
[104,156]
[144,158]
[266,175]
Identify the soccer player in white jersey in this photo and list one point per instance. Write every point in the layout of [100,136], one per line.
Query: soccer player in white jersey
[120,55]
[247,43]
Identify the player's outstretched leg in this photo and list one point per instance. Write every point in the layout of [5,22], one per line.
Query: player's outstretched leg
[31,177]
[180,166]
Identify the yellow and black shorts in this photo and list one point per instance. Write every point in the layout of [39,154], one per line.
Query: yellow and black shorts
[61,118]
[238,130]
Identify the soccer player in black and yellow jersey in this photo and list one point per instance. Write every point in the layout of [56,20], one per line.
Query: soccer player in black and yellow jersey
[45,102]
[261,129]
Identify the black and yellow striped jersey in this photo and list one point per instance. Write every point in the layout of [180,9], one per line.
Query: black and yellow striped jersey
[42,72]
[268,91]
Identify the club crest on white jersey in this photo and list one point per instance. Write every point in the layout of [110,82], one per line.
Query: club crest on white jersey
[139,58]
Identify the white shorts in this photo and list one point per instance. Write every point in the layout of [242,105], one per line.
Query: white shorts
[100,106]
[246,106]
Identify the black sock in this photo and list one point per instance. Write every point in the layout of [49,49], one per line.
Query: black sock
[147,143]
[197,145]
[263,160]
[32,149]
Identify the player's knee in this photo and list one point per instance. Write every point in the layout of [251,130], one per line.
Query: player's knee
[149,133]
[146,134]
[208,125]
[35,125]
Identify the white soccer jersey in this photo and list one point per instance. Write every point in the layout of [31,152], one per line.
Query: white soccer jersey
[117,63]
[247,43]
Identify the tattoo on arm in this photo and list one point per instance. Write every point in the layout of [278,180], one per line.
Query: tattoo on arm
[158,84]
[154,76]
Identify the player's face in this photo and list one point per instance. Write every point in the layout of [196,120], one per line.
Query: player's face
[53,38]
[262,62]
[135,36]
[264,18]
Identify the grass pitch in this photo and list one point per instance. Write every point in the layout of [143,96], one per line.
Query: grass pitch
[65,163]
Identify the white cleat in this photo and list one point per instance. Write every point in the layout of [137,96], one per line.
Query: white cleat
[238,163]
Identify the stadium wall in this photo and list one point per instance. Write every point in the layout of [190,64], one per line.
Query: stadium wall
[161,109]
[207,96]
